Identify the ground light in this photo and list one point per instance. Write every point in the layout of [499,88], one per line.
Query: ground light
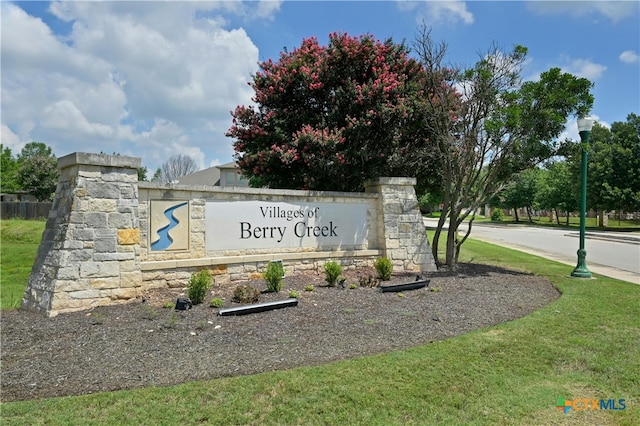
[584,127]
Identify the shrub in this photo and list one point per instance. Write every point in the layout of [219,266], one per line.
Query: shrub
[308,288]
[293,294]
[384,267]
[245,294]
[332,271]
[216,303]
[273,275]
[497,215]
[352,286]
[199,284]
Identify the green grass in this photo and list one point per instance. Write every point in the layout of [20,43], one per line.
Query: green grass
[19,240]
[584,345]
[591,223]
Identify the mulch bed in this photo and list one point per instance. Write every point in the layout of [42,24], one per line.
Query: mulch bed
[145,344]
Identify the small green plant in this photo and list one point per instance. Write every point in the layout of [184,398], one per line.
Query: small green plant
[352,286]
[309,288]
[434,289]
[497,215]
[216,303]
[384,267]
[148,312]
[245,294]
[97,318]
[294,294]
[168,305]
[199,284]
[172,320]
[273,274]
[332,270]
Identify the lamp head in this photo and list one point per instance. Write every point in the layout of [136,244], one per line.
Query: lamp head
[585,124]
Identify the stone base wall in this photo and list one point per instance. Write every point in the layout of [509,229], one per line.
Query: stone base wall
[96,247]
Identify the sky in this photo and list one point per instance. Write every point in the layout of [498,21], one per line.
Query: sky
[155,79]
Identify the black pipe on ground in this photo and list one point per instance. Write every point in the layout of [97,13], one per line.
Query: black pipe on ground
[403,287]
[258,307]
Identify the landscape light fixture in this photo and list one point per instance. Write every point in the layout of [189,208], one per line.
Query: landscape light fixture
[584,128]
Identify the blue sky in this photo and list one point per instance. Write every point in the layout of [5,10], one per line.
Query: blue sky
[155,79]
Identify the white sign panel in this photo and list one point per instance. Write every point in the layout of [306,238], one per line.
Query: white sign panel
[263,224]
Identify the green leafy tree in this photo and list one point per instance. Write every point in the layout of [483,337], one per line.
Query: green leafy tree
[38,176]
[521,192]
[8,168]
[37,172]
[330,117]
[558,190]
[502,127]
[622,189]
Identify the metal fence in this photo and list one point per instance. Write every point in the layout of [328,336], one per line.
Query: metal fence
[25,210]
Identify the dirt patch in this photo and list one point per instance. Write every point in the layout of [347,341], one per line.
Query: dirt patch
[145,344]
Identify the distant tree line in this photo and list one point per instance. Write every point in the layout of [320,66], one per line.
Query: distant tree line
[613,176]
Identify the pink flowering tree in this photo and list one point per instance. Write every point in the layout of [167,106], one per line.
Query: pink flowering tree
[330,117]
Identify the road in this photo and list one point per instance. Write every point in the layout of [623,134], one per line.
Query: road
[611,254]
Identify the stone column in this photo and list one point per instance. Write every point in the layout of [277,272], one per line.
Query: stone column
[401,230]
[90,249]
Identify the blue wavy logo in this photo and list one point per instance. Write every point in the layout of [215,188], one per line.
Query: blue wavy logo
[165,240]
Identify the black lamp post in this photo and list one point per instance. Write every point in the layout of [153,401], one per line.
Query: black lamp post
[584,127]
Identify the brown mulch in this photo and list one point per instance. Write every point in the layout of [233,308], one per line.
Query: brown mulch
[145,344]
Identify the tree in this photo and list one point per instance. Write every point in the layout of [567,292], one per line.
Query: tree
[157,175]
[502,127]
[37,173]
[35,149]
[38,176]
[176,167]
[521,192]
[142,173]
[8,168]
[558,191]
[623,186]
[330,117]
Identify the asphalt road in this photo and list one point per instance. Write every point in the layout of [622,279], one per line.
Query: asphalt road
[616,255]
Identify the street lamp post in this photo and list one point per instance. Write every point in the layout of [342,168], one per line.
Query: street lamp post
[584,127]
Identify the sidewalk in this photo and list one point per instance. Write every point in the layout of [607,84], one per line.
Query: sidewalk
[627,238]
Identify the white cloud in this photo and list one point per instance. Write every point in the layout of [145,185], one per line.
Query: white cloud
[583,68]
[150,80]
[450,11]
[629,57]
[613,10]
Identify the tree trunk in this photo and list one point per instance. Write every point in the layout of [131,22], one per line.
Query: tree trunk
[557,216]
[567,221]
[603,219]
[529,214]
[515,214]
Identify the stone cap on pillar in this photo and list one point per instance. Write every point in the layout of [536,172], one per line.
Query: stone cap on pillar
[77,158]
[391,181]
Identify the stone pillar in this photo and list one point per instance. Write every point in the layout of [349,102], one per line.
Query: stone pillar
[90,249]
[401,230]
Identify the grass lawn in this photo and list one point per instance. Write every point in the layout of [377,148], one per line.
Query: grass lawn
[19,240]
[584,345]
